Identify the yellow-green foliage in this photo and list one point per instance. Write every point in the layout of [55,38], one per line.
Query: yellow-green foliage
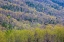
[2,37]
[48,34]
[39,35]
[59,32]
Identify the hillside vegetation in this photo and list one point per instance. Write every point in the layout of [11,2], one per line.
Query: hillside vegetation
[19,14]
[31,21]
[49,34]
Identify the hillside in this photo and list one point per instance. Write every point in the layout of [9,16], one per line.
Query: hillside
[33,12]
[31,20]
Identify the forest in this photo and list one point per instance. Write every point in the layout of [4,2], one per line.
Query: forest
[31,21]
[47,34]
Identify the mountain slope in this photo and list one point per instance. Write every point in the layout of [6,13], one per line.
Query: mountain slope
[23,13]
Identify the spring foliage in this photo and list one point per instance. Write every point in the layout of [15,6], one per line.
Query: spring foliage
[49,34]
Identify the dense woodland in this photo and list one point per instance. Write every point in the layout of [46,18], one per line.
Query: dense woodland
[47,34]
[31,21]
